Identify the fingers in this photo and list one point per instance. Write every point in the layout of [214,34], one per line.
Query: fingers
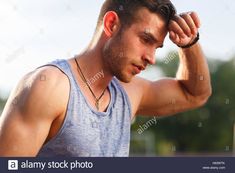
[183,28]
[185,24]
[175,27]
[174,37]
[195,19]
[192,21]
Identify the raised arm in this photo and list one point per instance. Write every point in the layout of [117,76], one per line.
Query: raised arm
[191,87]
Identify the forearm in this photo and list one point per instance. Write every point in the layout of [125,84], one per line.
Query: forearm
[193,72]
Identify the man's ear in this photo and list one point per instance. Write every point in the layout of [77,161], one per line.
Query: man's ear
[111,23]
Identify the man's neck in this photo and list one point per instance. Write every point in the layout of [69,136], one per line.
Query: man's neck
[91,64]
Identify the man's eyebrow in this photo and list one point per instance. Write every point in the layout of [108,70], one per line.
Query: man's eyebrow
[152,38]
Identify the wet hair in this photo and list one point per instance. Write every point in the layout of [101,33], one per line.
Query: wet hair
[127,10]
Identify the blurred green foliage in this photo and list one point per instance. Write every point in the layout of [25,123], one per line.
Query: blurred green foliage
[208,129]
[2,104]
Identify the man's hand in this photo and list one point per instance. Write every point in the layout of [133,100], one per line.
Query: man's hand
[183,28]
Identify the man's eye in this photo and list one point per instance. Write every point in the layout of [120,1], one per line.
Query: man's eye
[146,40]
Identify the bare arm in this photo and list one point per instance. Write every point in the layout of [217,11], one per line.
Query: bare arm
[29,113]
[193,73]
[190,89]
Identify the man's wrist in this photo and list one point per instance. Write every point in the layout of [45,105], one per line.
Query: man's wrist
[193,42]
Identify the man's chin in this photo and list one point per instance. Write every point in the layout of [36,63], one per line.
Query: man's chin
[125,79]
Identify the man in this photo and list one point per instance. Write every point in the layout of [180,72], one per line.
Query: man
[83,106]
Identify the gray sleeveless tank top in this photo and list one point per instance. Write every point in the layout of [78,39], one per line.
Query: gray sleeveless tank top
[86,132]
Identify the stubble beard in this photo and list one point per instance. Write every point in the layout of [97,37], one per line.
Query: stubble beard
[115,61]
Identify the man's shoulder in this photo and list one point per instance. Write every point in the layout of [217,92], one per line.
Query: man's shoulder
[45,78]
[49,73]
[47,86]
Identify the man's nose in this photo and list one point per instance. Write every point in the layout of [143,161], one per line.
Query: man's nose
[150,58]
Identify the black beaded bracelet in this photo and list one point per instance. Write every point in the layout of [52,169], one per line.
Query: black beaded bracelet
[191,44]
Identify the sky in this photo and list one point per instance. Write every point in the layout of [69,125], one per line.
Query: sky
[33,33]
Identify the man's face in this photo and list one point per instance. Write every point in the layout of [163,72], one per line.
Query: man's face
[132,49]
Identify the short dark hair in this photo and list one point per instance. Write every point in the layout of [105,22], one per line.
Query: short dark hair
[126,9]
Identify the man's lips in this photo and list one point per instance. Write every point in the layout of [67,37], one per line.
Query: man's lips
[138,68]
